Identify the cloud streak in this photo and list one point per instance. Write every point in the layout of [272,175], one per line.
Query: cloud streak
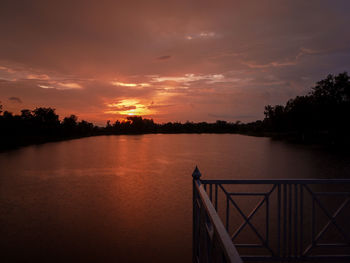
[163,57]
[15,99]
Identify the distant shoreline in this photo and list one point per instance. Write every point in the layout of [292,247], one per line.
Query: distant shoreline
[319,118]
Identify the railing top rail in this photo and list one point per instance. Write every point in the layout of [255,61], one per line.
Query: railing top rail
[278,181]
[226,242]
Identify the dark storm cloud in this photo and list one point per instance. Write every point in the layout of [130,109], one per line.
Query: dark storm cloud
[69,53]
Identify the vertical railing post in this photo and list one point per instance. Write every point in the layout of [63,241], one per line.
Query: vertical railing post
[195,176]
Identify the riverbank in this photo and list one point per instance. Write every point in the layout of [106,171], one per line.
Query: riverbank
[320,140]
[13,143]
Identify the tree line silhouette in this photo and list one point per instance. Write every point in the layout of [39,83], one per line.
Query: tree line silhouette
[321,116]
[38,126]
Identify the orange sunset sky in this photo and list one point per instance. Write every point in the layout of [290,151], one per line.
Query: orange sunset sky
[167,60]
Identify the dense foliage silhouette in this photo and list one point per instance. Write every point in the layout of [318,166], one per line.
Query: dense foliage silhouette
[38,126]
[321,116]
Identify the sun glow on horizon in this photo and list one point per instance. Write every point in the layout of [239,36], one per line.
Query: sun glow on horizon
[129,107]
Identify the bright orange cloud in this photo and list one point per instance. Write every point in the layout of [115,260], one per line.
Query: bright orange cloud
[129,107]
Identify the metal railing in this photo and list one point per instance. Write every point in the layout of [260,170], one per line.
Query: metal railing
[211,242]
[288,220]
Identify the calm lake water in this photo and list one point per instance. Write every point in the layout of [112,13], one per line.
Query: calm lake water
[129,198]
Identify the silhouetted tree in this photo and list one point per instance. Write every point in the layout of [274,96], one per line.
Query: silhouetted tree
[40,125]
[322,115]
[26,115]
[69,124]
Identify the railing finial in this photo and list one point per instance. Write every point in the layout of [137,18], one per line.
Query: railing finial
[196,173]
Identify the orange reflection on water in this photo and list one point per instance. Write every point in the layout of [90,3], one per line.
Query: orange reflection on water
[142,194]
